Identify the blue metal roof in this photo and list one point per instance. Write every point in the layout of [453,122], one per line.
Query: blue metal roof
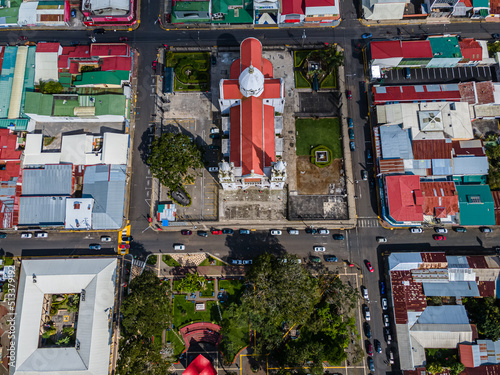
[43,211]
[395,142]
[52,180]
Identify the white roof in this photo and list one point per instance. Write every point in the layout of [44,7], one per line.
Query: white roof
[27,13]
[78,213]
[404,261]
[115,148]
[33,155]
[251,82]
[113,4]
[59,276]
[387,11]
[46,67]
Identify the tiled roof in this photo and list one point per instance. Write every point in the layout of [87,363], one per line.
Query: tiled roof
[440,198]
[404,197]
[485,92]
[292,7]
[495,6]
[47,47]
[432,149]
[467,92]
[471,49]
[386,49]
[416,49]
[417,93]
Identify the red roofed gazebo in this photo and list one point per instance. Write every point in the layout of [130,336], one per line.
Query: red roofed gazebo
[200,366]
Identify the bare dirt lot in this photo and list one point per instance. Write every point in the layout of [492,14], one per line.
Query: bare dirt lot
[313,180]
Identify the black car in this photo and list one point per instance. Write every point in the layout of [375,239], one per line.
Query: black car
[213,147]
[202,233]
[227,231]
[213,59]
[311,231]
[368,331]
[99,31]
[338,237]
[214,136]
[331,258]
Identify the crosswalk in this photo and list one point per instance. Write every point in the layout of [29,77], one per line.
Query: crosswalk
[368,222]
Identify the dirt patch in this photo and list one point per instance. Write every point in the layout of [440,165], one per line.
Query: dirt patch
[314,180]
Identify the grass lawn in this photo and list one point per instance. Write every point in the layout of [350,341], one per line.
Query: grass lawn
[330,81]
[8,261]
[191,70]
[184,312]
[206,262]
[234,289]
[169,261]
[301,82]
[312,133]
[299,56]
[208,292]
[177,343]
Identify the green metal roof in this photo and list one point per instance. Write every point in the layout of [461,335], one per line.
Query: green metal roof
[39,103]
[445,47]
[200,6]
[65,79]
[18,124]
[65,107]
[476,205]
[481,4]
[240,15]
[10,14]
[97,78]
[110,105]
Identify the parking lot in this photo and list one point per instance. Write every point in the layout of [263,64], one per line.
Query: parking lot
[441,75]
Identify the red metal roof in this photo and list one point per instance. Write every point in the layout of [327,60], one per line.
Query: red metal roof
[496,202]
[486,288]
[267,68]
[200,366]
[292,7]
[409,94]
[319,3]
[231,89]
[47,47]
[440,198]
[404,197]
[116,63]
[477,261]
[272,89]
[471,49]
[76,51]
[113,49]
[63,61]
[409,297]
[431,149]
[416,49]
[466,356]
[391,166]
[459,148]
[251,54]
[483,370]
[235,69]
[386,49]
[8,144]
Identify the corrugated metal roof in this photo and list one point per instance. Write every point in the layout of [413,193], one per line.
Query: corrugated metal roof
[106,184]
[451,289]
[391,166]
[434,257]
[432,149]
[457,261]
[51,180]
[43,211]
[477,261]
[395,142]
[486,288]
[473,147]
[470,165]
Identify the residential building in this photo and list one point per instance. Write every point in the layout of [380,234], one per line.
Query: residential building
[416,276]
[9,13]
[403,200]
[266,12]
[440,203]
[93,281]
[46,62]
[383,10]
[10,178]
[476,205]
[253,99]
[483,352]
[445,50]
[109,12]
[321,11]
[43,13]
[292,11]
[472,52]
[449,92]
[232,12]
[192,11]
[480,9]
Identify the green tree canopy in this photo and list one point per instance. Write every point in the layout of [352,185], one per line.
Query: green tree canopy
[330,57]
[147,308]
[138,356]
[171,158]
[485,312]
[192,282]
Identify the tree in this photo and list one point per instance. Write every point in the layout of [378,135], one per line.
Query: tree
[49,87]
[330,58]
[138,356]
[192,282]
[171,157]
[139,316]
[457,368]
[485,313]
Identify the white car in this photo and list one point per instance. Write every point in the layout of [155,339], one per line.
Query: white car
[41,234]
[384,304]
[179,246]
[365,293]
[26,235]
[293,232]
[275,232]
[386,320]
[323,231]
[416,230]
[213,169]
[367,313]
[441,230]
[105,239]
[319,248]
[381,239]
[214,130]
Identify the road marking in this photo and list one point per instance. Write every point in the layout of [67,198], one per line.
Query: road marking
[368,223]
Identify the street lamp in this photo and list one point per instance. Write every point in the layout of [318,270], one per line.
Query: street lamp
[304,36]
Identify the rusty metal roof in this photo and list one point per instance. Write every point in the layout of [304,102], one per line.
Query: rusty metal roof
[407,295]
[486,288]
[477,261]
[434,257]
[432,149]
[392,166]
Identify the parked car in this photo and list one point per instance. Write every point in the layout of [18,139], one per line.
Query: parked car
[294,232]
[438,237]
[94,246]
[186,232]
[236,261]
[366,312]
[350,122]
[213,147]
[202,233]
[214,130]
[460,229]
[153,64]
[41,234]
[369,349]
[323,231]
[315,259]
[216,232]
[213,59]
[371,366]
[369,154]
[364,175]
[367,35]
[351,134]
[391,357]
[179,246]
[227,231]
[26,235]
[368,330]
[384,304]
[338,237]
[349,94]
[385,317]
[319,249]
[3,235]
[127,238]
[248,261]
[407,73]
[387,335]
[378,347]
[123,39]
[331,258]
[369,266]
[486,230]
[244,231]
[213,169]
[214,136]
[416,230]
[364,292]
[275,232]
[22,38]
[382,288]
[99,31]
[311,230]
[73,13]
[352,146]
[123,246]
[440,230]
[381,239]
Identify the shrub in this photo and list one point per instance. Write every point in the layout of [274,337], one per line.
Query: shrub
[318,163]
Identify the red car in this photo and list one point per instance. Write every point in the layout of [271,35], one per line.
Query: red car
[438,237]
[124,246]
[369,266]
[369,349]
[186,232]
[154,64]
[23,38]
[216,232]
[123,39]
[349,94]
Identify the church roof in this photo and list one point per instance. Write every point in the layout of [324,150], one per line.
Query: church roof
[200,366]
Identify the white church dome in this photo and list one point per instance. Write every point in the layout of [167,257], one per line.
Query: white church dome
[224,166]
[251,82]
[279,166]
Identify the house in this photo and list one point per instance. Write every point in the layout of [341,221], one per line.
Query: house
[292,11]
[480,9]
[252,98]
[191,11]
[440,202]
[109,12]
[476,205]
[403,200]
[416,93]
[472,52]
[321,11]
[10,178]
[46,61]
[391,53]
[43,13]
[93,281]
[445,50]
[383,10]
[232,12]
[483,352]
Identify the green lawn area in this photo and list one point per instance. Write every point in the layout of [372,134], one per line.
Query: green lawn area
[191,70]
[206,262]
[301,82]
[312,133]
[299,56]
[234,288]
[177,343]
[208,292]
[330,81]
[169,261]
[184,312]
[8,261]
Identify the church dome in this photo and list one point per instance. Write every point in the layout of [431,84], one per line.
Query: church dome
[224,166]
[279,166]
[251,82]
